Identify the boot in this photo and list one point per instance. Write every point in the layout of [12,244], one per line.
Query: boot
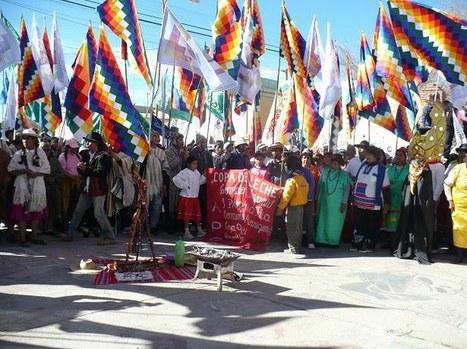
[459,257]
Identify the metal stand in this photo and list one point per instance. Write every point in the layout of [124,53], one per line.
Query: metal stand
[218,269]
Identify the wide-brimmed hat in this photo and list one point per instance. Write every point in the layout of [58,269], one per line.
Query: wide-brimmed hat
[462,148]
[72,143]
[292,149]
[95,137]
[363,144]
[29,132]
[241,141]
[83,148]
[261,147]
[307,152]
[277,145]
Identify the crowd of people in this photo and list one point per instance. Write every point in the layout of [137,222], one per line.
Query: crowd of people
[360,195]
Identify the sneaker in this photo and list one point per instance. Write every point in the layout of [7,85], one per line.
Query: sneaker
[290,251]
[311,246]
[355,247]
[187,235]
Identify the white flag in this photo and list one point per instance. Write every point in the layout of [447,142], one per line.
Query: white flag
[331,89]
[249,78]
[61,80]
[249,82]
[9,47]
[178,48]
[11,104]
[313,50]
[40,57]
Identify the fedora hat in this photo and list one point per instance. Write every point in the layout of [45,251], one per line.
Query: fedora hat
[95,137]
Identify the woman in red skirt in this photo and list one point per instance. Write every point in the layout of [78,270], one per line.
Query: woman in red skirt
[29,166]
[188,181]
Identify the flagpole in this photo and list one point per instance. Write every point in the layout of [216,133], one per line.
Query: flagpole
[209,116]
[369,130]
[192,109]
[157,75]
[275,99]
[172,95]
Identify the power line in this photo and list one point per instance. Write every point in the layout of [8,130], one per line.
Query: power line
[271,48]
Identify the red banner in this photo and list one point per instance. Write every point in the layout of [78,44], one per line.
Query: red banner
[241,208]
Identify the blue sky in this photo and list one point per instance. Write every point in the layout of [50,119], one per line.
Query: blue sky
[348,18]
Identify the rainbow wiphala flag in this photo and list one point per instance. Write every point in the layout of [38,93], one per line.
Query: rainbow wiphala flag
[308,110]
[436,39]
[109,97]
[292,46]
[370,95]
[122,18]
[52,104]
[290,117]
[78,115]
[29,81]
[192,93]
[365,78]
[403,129]
[227,36]
[258,44]
[388,61]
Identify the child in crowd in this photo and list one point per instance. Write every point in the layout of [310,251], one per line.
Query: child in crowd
[259,168]
[189,180]
[294,198]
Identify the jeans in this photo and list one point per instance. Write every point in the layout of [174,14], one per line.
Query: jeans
[85,201]
[155,209]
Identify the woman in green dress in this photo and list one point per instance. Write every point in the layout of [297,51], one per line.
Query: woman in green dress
[333,194]
[397,173]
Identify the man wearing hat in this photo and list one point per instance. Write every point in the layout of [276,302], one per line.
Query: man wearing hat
[276,165]
[239,159]
[176,157]
[94,189]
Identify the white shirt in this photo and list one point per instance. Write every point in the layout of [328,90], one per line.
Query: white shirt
[353,166]
[437,175]
[365,188]
[189,182]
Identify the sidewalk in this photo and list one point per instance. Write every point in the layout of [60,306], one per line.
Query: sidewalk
[330,298]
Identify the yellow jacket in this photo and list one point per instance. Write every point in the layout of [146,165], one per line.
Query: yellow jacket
[295,192]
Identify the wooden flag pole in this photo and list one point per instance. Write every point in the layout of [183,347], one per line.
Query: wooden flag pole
[275,99]
[209,115]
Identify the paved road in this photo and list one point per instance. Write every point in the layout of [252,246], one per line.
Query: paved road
[329,298]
